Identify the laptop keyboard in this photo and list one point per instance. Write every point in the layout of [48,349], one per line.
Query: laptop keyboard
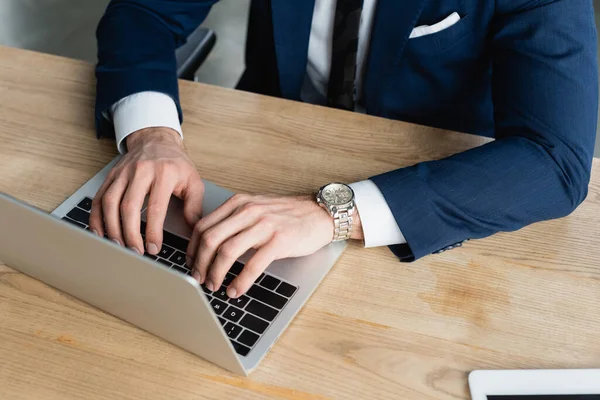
[244,319]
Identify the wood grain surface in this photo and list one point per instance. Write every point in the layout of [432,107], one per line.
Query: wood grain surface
[374,329]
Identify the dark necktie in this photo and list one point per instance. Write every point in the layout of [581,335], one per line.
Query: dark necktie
[340,91]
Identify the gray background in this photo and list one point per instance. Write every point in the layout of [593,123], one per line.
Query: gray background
[66,28]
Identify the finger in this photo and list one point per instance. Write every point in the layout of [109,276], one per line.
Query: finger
[192,196]
[233,249]
[111,202]
[253,268]
[225,210]
[222,212]
[131,208]
[96,215]
[211,240]
[158,203]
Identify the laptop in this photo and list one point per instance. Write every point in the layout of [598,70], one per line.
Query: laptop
[549,384]
[158,294]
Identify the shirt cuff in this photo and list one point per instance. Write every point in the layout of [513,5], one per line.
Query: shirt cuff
[378,223]
[143,110]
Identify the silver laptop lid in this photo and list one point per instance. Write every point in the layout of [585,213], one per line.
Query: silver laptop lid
[148,295]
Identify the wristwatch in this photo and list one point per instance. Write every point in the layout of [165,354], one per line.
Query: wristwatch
[338,200]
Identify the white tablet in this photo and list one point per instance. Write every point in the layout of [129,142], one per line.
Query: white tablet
[558,384]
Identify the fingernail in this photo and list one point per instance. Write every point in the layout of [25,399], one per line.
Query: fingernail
[151,248]
[196,275]
[136,250]
[116,241]
[231,292]
[210,286]
[95,232]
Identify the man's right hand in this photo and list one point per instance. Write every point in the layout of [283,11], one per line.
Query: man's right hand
[157,165]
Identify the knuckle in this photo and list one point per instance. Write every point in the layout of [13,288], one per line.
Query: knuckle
[127,206]
[278,238]
[238,198]
[129,238]
[166,167]
[153,210]
[213,275]
[208,240]
[142,165]
[267,223]
[112,174]
[201,266]
[199,227]
[153,236]
[228,251]
[251,208]
[253,269]
[109,199]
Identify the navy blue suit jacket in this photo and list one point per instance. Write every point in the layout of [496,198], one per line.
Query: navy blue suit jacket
[521,71]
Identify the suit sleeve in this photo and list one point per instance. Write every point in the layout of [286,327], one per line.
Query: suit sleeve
[545,95]
[137,40]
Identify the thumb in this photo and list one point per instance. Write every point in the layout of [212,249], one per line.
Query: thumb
[192,197]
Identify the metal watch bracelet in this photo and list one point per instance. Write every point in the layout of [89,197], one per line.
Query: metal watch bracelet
[342,222]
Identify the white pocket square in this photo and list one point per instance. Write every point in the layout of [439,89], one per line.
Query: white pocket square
[424,30]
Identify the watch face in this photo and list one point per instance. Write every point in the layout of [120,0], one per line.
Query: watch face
[337,194]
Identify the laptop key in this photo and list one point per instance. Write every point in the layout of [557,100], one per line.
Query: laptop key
[286,289]
[228,279]
[206,290]
[178,258]
[165,252]
[180,269]
[222,321]
[175,241]
[240,349]
[165,262]
[77,224]
[236,268]
[233,313]
[266,296]
[85,204]
[253,323]
[270,282]
[240,301]
[248,338]
[221,294]
[79,215]
[218,306]
[261,310]
[232,330]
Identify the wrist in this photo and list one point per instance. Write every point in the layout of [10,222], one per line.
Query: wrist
[148,135]
[357,231]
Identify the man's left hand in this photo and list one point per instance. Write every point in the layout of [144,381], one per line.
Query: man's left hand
[276,227]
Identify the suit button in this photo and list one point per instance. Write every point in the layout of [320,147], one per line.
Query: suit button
[450,247]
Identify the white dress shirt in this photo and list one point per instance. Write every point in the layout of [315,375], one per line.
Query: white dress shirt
[153,109]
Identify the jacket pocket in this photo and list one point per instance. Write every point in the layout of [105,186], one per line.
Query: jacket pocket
[443,40]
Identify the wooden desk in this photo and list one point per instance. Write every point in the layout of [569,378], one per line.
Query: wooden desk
[374,329]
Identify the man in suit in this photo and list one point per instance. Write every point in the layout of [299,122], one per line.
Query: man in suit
[521,71]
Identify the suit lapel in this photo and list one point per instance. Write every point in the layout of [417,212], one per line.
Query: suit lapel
[394,20]
[291,30]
